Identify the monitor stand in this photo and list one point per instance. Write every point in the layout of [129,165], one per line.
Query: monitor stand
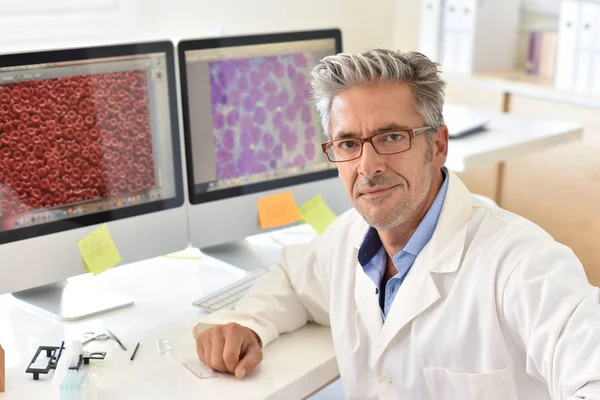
[72,301]
[262,250]
[242,254]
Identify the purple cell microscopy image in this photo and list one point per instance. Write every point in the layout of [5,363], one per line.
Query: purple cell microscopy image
[263,118]
[218,121]
[242,83]
[236,98]
[233,117]
[268,141]
[228,139]
[260,115]
[270,86]
[257,135]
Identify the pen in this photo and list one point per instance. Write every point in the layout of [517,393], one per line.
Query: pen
[112,335]
[134,351]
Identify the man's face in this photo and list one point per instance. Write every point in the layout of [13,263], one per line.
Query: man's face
[386,189]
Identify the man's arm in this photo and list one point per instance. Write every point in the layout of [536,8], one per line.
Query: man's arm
[553,315]
[283,300]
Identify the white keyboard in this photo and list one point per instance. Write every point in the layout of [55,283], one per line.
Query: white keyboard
[229,295]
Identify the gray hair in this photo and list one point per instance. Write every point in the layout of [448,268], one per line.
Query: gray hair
[337,73]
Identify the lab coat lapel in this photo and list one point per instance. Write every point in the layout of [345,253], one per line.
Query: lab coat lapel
[367,303]
[417,293]
[441,255]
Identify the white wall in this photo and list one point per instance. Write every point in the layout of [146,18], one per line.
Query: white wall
[30,24]
[364,23]
[406,25]
[35,24]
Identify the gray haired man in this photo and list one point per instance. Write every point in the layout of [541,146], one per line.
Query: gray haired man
[430,293]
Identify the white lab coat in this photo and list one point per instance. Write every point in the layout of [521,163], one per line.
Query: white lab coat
[492,309]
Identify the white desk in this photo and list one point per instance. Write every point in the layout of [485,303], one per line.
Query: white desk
[507,136]
[294,366]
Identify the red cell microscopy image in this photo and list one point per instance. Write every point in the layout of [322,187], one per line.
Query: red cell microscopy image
[74,139]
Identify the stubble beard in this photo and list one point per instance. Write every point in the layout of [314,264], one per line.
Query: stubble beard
[377,215]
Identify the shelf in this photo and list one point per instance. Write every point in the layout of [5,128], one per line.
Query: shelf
[519,83]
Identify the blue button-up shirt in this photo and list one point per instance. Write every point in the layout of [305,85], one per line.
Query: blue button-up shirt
[373,258]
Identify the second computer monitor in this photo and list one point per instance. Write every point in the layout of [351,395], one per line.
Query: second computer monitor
[251,129]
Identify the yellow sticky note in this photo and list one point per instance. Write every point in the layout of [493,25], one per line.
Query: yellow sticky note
[277,210]
[99,251]
[317,214]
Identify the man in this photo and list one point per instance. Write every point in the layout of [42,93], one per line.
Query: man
[430,292]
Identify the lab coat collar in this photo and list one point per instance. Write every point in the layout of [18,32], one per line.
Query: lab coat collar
[448,239]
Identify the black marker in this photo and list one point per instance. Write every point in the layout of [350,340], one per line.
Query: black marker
[135,351]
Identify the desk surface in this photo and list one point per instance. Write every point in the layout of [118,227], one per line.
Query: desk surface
[294,366]
[506,136]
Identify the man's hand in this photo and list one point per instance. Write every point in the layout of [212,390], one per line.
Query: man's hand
[229,348]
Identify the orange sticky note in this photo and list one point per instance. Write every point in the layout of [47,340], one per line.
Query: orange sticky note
[277,210]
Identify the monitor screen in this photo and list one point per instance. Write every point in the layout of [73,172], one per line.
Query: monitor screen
[249,121]
[86,136]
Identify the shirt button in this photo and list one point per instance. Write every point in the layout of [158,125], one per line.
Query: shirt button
[385,378]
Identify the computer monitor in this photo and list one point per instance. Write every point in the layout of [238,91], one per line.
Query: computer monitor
[87,136]
[251,130]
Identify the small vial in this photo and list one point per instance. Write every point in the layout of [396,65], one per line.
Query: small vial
[163,347]
[198,369]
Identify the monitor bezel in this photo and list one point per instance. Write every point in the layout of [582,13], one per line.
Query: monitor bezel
[233,41]
[86,53]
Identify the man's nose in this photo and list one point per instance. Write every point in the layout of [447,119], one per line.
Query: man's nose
[371,162]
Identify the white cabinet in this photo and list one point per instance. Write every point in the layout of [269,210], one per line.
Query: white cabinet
[448,51]
[597,28]
[464,51]
[577,62]
[451,15]
[431,28]
[583,76]
[596,76]
[457,51]
[567,43]
[587,26]
[463,35]
[467,12]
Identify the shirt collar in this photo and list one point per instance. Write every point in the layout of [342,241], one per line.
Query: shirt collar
[372,243]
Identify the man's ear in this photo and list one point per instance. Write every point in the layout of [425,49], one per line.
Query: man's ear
[440,145]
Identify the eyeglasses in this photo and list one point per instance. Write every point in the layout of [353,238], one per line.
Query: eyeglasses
[385,143]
